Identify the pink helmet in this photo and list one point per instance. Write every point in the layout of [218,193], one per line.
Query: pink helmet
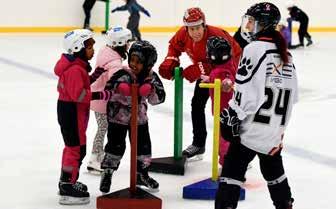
[193,16]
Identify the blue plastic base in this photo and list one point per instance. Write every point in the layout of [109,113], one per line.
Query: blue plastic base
[205,190]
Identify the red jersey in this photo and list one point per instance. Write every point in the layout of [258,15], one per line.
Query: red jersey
[182,42]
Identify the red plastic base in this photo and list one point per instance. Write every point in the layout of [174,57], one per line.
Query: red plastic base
[124,199]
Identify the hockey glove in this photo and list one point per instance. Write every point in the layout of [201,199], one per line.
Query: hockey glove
[95,75]
[166,69]
[101,95]
[147,13]
[194,72]
[230,125]
[124,89]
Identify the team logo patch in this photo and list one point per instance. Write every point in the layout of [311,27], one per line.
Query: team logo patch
[245,66]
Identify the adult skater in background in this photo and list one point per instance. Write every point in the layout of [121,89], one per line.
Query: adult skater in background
[300,16]
[192,39]
[258,113]
[87,7]
[133,21]
[110,58]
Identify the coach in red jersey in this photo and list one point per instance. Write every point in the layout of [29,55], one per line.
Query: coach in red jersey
[192,39]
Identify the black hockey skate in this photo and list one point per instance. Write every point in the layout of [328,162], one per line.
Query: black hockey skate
[310,42]
[73,194]
[284,205]
[194,153]
[79,184]
[106,180]
[148,182]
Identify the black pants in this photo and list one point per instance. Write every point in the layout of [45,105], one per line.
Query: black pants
[87,6]
[116,139]
[133,26]
[235,166]
[303,31]
[198,103]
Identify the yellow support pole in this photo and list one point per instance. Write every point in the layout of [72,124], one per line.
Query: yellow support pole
[216,134]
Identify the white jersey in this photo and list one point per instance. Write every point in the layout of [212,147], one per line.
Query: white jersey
[265,92]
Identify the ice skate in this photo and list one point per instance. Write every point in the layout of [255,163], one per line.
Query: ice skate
[296,46]
[73,194]
[94,164]
[310,42]
[106,180]
[147,182]
[194,153]
[87,26]
[78,184]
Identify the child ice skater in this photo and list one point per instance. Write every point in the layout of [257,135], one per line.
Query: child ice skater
[141,59]
[73,110]
[110,58]
[219,55]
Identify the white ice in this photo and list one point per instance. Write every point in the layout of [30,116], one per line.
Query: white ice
[31,142]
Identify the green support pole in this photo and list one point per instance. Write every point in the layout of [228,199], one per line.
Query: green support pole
[107,15]
[175,164]
[178,113]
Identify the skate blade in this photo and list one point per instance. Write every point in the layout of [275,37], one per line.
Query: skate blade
[195,158]
[151,190]
[104,193]
[94,171]
[67,200]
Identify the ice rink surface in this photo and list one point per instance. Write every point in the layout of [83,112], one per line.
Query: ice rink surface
[31,142]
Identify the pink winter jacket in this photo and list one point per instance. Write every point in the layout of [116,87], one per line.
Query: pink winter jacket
[227,70]
[111,61]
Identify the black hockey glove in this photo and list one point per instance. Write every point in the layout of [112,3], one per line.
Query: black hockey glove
[230,125]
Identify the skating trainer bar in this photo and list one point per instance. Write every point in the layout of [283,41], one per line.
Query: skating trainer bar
[206,189]
[176,164]
[132,197]
[217,93]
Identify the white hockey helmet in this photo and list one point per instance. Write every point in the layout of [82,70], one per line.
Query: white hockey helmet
[118,36]
[74,40]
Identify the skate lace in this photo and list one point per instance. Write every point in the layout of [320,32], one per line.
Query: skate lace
[147,180]
[78,186]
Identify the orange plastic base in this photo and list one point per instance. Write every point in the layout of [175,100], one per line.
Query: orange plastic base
[124,199]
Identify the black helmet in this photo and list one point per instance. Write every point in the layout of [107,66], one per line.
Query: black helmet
[266,13]
[218,50]
[146,53]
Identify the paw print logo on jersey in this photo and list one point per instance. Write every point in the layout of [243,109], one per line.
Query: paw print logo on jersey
[244,67]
